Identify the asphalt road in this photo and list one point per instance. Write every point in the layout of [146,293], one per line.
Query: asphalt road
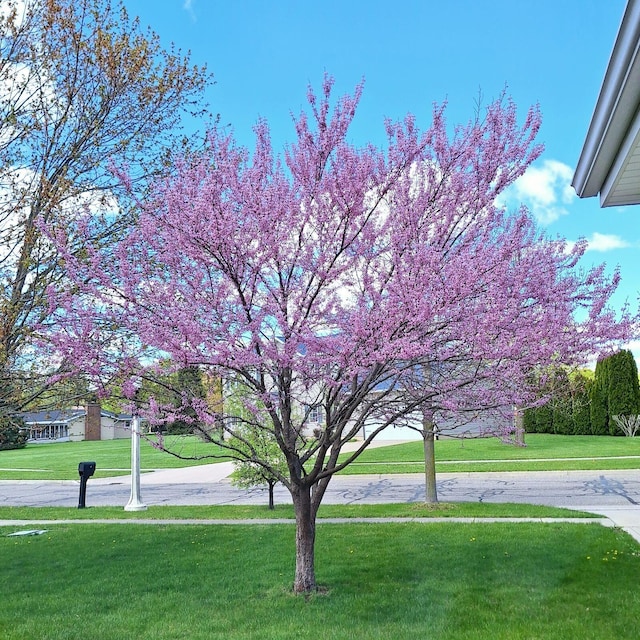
[573,489]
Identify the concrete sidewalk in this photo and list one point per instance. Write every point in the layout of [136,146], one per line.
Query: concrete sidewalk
[268,521]
[186,475]
[625,518]
[213,472]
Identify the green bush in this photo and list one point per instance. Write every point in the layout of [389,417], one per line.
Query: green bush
[562,418]
[13,433]
[544,419]
[567,408]
[599,407]
[581,388]
[530,423]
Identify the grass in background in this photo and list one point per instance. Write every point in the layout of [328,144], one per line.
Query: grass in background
[400,581]
[236,512]
[544,452]
[601,464]
[59,460]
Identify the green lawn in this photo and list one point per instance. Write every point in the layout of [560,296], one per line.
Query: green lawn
[436,581]
[544,452]
[59,461]
[233,512]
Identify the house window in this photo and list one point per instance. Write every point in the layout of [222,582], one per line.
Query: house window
[316,414]
[48,431]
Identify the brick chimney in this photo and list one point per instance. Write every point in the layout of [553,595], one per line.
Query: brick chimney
[92,422]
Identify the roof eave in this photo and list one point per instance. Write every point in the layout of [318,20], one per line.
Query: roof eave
[615,109]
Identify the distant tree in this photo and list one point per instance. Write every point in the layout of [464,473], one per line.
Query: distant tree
[13,433]
[623,392]
[580,390]
[82,87]
[599,410]
[185,385]
[331,277]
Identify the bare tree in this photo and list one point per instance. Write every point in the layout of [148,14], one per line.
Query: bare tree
[629,425]
[82,86]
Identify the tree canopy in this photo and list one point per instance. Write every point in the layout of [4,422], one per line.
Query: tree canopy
[335,286]
[82,87]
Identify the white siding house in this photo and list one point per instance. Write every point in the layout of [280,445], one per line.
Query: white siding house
[76,424]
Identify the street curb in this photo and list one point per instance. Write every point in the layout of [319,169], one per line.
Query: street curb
[265,521]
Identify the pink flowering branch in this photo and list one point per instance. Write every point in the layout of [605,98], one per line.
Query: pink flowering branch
[321,281]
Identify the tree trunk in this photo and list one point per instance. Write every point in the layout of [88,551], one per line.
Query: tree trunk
[518,420]
[305,578]
[271,503]
[428,436]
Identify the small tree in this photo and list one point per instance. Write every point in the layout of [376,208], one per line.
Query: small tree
[330,277]
[629,425]
[262,463]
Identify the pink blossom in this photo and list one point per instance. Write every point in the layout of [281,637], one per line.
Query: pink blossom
[335,276]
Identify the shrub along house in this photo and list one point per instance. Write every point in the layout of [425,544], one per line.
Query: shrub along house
[76,424]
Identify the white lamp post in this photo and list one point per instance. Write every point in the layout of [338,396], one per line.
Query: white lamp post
[135,503]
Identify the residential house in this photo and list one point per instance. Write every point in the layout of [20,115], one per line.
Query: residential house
[76,424]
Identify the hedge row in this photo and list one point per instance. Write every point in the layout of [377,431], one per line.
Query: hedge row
[580,406]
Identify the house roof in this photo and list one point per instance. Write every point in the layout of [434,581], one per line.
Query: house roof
[610,160]
[60,416]
[52,417]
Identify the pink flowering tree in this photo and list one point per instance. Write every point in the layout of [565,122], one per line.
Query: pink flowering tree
[334,290]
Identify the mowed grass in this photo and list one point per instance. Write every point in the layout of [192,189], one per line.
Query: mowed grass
[59,461]
[437,581]
[543,452]
[261,512]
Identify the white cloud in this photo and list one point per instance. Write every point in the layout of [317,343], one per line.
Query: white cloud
[606,242]
[188,7]
[545,189]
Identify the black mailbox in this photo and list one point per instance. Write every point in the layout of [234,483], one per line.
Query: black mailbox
[85,470]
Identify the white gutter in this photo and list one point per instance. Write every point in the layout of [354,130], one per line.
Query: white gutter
[615,109]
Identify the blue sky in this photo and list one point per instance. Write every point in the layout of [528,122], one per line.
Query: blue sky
[412,53]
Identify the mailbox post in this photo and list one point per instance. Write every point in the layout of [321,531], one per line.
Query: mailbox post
[135,502]
[85,470]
